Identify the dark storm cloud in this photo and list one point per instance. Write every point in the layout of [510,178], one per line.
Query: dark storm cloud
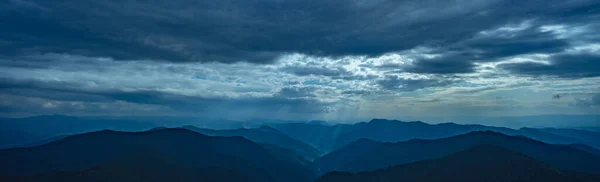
[259,31]
[294,100]
[563,66]
[395,83]
[530,40]
[459,58]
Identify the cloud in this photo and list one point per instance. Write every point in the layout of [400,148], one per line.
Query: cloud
[357,92]
[297,92]
[396,83]
[316,70]
[290,99]
[292,58]
[594,101]
[262,31]
[561,65]
[15,105]
[444,65]
[434,100]
[489,46]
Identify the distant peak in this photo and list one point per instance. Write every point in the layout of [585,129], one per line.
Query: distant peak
[318,122]
[158,128]
[268,128]
[189,126]
[167,130]
[376,120]
[485,132]
[387,121]
[379,120]
[447,123]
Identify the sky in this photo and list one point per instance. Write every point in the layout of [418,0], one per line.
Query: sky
[300,59]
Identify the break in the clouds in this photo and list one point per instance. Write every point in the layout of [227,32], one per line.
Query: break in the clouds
[291,59]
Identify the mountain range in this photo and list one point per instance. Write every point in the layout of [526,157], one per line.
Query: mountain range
[265,135]
[479,163]
[366,155]
[324,137]
[179,146]
[378,150]
[327,138]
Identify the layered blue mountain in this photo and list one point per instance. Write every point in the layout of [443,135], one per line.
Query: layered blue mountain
[586,137]
[585,148]
[318,135]
[480,163]
[330,137]
[11,138]
[594,129]
[18,132]
[368,155]
[180,147]
[265,135]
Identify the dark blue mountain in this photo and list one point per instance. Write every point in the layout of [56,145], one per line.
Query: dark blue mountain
[47,126]
[265,135]
[12,138]
[141,167]
[41,142]
[377,155]
[330,137]
[177,146]
[480,163]
[23,131]
[586,137]
[585,148]
[593,129]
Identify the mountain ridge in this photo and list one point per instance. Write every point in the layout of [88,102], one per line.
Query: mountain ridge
[479,163]
[380,155]
[185,147]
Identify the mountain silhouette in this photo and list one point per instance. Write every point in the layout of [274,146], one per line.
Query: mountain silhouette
[265,135]
[480,163]
[331,137]
[43,127]
[177,146]
[592,129]
[585,148]
[12,138]
[377,155]
[52,125]
[141,167]
[586,137]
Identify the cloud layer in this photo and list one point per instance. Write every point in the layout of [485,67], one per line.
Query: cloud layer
[294,59]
